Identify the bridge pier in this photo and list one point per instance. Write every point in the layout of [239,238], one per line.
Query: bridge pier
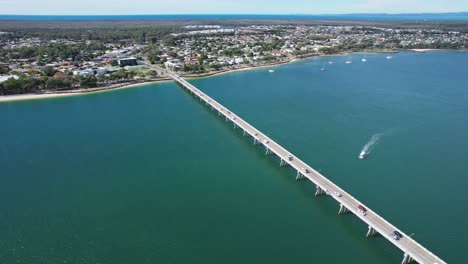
[299,176]
[244,133]
[267,151]
[343,209]
[283,163]
[371,232]
[256,142]
[319,191]
[407,259]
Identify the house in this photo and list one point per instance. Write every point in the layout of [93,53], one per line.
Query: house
[60,75]
[127,62]
[276,53]
[6,77]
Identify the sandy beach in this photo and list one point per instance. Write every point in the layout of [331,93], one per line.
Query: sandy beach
[422,50]
[48,95]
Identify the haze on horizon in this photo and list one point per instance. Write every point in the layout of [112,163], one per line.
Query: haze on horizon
[160,7]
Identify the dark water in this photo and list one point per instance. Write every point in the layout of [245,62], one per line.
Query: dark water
[150,175]
[463,16]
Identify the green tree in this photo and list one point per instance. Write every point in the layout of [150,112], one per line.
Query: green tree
[40,61]
[151,73]
[115,63]
[56,83]
[88,81]
[4,69]
[11,86]
[49,71]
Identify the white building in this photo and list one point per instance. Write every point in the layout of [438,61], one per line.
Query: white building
[3,78]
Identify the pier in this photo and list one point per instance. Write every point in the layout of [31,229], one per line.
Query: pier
[412,250]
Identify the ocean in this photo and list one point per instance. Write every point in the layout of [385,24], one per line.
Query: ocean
[151,175]
[460,16]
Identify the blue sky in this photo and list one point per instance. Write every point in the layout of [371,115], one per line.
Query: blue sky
[110,7]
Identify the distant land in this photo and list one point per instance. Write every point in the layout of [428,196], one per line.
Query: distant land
[459,16]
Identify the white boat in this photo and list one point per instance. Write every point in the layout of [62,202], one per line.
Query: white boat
[349,62]
[362,155]
[389,57]
[271,71]
[322,69]
[364,60]
[330,62]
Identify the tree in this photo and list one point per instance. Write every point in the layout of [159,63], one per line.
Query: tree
[11,86]
[88,81]
[56,83]
[169,40]
[151,73]
[115,63]
[49,71]
[40,61]
[4,69]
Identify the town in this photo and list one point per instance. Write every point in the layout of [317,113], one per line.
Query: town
[39,63]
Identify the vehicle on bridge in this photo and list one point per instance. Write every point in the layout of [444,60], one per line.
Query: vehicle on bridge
[290,157]
[362,210]
[305,170]
[337,194]
[396,235]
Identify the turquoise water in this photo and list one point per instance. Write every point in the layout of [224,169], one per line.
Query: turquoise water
[150,175]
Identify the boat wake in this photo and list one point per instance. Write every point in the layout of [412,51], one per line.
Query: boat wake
[367,149]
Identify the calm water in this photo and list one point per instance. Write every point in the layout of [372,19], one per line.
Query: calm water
[150,175]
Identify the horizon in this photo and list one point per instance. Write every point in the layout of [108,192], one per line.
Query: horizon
[248,14]
[241,7]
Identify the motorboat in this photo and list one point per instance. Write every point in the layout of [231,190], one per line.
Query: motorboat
[362,155]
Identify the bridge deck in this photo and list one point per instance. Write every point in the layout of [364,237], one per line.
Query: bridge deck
[378,223]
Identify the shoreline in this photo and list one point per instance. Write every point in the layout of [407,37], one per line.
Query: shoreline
[78,92]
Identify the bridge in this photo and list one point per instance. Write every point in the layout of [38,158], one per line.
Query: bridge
[412,250]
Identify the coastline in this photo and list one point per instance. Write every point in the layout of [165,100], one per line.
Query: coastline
[77,92]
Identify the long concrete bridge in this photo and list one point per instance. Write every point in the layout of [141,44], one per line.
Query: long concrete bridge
[412,250]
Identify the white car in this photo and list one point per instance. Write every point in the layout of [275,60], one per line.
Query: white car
[337,194]
[305,170]
[266,141]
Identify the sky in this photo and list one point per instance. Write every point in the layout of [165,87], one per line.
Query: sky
[134,7]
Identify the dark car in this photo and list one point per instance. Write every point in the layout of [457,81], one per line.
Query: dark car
[398,234]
